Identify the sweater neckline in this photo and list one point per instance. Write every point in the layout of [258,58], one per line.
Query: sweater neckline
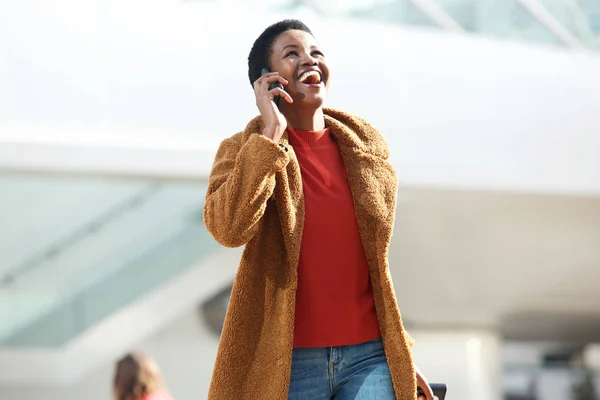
[300,138]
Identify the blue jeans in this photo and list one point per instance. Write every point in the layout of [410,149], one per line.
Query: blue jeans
[357,372]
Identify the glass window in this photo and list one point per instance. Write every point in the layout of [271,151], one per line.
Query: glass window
[499,18]
[392,11]
[67,242]
[580,17]
[506,18]
[464,12]
[399,12]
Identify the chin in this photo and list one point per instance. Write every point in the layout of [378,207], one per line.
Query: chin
[312,101]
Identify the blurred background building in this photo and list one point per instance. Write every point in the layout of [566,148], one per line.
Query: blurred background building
[110,114]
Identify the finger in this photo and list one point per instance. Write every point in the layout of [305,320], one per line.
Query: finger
[427,392]
[269,78]
[271,73]
[276,78]
[262,79]
[282,93]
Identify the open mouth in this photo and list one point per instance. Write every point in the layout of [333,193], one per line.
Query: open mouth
[310,78]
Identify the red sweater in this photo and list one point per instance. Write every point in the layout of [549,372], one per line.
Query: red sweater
[334,299]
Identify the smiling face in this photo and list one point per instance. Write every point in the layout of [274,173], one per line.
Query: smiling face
[297,57]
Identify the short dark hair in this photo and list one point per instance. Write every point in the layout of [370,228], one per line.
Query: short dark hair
[263,45]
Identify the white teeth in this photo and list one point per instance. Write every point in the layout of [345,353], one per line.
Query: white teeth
[305,75]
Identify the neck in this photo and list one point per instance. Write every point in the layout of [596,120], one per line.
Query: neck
[306,121]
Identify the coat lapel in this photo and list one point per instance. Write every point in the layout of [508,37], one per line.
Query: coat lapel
[372,181]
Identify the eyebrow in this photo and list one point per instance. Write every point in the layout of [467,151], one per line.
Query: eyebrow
[296,46]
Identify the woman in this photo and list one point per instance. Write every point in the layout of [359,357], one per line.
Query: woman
[137,377]
[310,194]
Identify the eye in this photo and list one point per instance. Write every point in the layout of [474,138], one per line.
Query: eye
[292,53]
[318,53]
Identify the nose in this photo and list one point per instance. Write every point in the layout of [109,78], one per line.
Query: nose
[308,59]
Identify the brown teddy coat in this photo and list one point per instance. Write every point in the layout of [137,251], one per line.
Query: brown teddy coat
[255,198]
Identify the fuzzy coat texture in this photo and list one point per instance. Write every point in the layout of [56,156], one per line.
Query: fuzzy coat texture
[255,198]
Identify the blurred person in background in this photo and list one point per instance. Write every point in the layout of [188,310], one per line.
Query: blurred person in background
[309,192]
[138,377]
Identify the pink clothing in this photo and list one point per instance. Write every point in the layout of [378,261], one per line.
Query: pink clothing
[157,396]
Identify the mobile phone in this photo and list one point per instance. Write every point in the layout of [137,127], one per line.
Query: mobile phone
[439,390]
[273,86]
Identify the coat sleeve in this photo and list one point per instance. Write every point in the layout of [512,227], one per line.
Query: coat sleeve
[241,181]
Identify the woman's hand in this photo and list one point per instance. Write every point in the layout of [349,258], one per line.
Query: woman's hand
[275,122]
[424,385]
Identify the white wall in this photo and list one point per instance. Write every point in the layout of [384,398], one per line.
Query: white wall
[457,110]
[185,351]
